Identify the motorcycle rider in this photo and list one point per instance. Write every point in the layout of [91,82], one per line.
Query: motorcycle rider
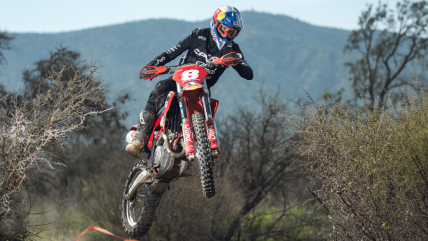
[202,45]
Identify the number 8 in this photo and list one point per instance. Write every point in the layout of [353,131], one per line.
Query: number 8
[190,75]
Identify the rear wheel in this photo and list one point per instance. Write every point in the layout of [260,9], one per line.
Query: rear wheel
[203,154]
[138,213]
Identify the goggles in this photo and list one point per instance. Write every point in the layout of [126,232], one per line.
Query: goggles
[227,32]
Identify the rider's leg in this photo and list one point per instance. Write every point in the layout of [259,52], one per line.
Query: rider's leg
[148,116]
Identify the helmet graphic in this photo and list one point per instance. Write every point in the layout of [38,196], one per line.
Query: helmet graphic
[226,25]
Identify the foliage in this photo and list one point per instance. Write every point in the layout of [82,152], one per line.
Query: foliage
[262,196]
[372,167]
[387,42]
[4,45]
[35,126]
[34,79]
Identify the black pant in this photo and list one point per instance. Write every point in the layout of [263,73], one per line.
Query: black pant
[158,95]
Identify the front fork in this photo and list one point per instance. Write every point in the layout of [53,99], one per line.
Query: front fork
[210,125]
[187,130]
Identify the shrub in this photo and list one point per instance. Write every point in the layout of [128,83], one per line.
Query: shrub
[372,167]
[34,128]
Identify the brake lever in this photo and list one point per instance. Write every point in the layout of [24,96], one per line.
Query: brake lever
[168,71]
[211,64]
[171,71]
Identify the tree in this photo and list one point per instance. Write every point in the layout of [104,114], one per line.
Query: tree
[35,126]
[35,79]
[4,45]
[388,42]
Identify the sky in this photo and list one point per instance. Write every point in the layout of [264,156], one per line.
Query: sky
[50,16]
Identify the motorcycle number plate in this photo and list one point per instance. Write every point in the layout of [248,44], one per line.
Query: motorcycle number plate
[189,73]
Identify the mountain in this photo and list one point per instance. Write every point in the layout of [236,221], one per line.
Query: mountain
[282,51]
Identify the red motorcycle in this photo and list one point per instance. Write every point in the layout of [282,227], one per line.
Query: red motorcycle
[186,121]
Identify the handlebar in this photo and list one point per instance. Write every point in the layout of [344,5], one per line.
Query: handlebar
[207,65]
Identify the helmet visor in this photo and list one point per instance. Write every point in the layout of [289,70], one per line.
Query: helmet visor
[227,32]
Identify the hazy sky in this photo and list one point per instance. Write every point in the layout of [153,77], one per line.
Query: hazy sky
[63,15]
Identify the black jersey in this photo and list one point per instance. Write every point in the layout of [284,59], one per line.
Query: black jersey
[199,46]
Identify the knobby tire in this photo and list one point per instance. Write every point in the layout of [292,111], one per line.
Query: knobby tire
[147,215]
[203,154]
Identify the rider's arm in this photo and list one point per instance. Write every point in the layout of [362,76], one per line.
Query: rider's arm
[173,52]
[243,69]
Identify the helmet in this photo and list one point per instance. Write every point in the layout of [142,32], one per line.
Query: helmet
[226,25]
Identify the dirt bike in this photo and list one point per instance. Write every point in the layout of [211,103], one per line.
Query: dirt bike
[186,120]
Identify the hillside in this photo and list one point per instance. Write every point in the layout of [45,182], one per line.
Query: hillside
[283,52]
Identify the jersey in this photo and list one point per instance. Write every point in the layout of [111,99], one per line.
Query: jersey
[200,46]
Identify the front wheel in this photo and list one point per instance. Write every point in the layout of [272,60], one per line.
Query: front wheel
[138,213]
[203,154]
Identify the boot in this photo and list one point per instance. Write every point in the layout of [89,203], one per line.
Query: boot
[145,126]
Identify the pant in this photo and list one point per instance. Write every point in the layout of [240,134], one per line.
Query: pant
[158,95]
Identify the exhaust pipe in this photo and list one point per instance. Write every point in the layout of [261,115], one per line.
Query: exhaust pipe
[170,151]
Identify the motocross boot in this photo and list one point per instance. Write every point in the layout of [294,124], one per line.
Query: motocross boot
[145,126]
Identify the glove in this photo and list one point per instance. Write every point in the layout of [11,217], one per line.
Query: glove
[150,72]
[143,71]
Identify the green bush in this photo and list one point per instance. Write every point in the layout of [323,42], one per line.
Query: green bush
[372,167]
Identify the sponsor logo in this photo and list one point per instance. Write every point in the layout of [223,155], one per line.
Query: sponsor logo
[188,133]
[173,49]
[229,45]
[214,35]
[211,134]
[205,56]
[221,15]
[203,38]
[158,61]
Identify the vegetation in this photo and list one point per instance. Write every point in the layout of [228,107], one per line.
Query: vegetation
[5,39]
[371,166]
[387,42]
[326,170]
[35,127]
